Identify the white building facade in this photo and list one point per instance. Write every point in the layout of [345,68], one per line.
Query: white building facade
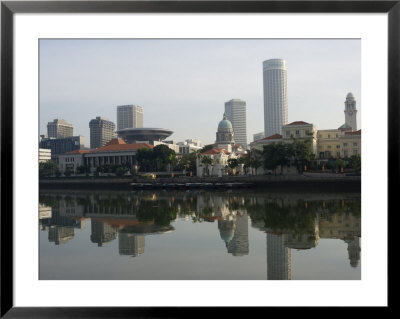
[44,155]
[235,111]
[275,96]
[129,116]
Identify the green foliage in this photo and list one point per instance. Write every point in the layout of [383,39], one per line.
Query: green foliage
[156,159]
[339,163]
[233,163]
[355,162]
[206,148]
[302,153]
[120,171]
[48,169]
[255,159]
[206,161]
[68,172]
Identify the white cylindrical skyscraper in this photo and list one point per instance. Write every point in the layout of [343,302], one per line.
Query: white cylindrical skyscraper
[275,96]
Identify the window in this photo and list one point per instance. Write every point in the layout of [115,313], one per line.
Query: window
[337,146]
[329,135]
[354,144]
[344,144]
[297,132]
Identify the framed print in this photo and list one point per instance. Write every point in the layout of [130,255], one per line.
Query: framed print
[196,154]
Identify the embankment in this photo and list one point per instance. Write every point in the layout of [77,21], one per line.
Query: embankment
[306,181]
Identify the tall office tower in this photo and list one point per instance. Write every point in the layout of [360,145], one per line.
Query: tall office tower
[130,244]
[350,112]
[258,136]
[59,129]
[129,116]
[235,111]
[239,245]
[278,258]
[275,96]
[102,233]
[101,132]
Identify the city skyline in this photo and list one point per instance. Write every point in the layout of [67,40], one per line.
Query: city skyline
[182,85]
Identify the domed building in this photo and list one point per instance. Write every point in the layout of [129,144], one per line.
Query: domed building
[225,136]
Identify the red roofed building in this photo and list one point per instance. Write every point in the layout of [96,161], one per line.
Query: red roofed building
[259,144]
[114,152]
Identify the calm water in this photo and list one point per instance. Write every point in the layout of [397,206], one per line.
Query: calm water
[199,235]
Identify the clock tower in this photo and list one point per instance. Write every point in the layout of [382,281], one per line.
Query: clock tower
[350,112]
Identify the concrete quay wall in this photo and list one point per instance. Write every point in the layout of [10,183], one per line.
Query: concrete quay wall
[311,181]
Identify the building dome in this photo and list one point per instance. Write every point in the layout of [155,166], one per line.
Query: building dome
[225,124]
[350,96]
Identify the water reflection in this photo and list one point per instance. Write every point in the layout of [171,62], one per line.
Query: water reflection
[291,223]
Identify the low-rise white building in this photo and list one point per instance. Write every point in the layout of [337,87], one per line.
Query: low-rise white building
[71,161]
[44,155]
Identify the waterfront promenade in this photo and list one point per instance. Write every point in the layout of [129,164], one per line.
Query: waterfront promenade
[309,181]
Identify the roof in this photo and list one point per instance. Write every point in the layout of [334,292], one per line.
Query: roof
[353,133]
[77,152]
[215,151]
[272,137]
[345,126]
[298,123]
[121,147]
[115,141]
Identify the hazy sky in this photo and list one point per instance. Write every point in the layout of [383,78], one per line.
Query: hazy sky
[182,85]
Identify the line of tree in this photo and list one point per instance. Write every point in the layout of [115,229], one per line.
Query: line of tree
[297,153]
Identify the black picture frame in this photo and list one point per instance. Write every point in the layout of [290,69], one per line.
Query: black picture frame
[9,8]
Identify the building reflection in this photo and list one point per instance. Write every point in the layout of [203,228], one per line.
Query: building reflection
[130,244]
[289,223]
[60,229]
[278,257]
[102,233]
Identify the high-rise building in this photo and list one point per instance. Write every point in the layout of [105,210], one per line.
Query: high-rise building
[278,258]
[275,96]
[235,111]
[129,116]
[59,129]
[101,132]
[62,145]
[258,136]
[350,112]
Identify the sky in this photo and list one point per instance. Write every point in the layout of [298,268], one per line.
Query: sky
[183,84]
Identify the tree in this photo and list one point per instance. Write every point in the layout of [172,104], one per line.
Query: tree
[255,159]
[233,163]
[144,158]
[163,156]
[355,162]
[302,153]
[68,172]
[206,161]
[48,169]
[206,148]
[339,163]
[270,157]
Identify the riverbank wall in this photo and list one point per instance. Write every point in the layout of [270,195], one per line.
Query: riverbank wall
[305,181]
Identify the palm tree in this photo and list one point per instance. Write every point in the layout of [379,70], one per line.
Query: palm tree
[206,161]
